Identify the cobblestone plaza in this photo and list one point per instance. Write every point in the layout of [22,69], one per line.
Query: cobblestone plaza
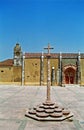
[16,100]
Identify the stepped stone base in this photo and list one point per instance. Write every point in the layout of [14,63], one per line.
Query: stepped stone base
[48,111]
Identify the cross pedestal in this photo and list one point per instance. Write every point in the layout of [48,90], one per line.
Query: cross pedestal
[48,111]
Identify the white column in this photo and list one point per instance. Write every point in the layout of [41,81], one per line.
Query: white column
[60,78]
[42,58]
[79,67]
[23,57]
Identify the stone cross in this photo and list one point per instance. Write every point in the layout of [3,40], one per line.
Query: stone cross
[48,76]
[48,48]
[48,111]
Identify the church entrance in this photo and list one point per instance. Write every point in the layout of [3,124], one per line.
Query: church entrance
[69,75]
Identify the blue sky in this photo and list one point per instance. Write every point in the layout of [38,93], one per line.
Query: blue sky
[35,23]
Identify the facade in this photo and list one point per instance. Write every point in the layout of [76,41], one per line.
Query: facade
[31,68]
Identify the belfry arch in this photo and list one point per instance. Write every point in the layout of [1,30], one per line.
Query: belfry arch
[69,74]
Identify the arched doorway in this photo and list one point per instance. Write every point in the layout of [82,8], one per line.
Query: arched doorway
[69,75]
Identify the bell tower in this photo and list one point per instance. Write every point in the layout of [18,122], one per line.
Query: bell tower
[17,55]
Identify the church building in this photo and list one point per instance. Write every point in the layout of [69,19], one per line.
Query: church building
[32,68]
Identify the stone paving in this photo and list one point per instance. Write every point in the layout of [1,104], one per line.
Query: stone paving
[15,101]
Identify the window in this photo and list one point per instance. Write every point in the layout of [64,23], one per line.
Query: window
[2,71]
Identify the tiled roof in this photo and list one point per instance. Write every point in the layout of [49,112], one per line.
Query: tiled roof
[8,62]
[32,55]
[38,55]
[69,55]
[82,55]
[53,55]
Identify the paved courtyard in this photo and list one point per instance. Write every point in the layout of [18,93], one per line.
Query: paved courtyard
[15,101]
